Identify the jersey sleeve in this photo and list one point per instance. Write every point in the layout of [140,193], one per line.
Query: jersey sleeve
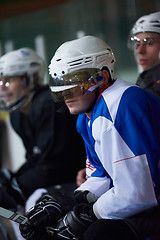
[96,185]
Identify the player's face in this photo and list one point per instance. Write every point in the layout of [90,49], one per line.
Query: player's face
[10,89]
[77,102]
[147,49]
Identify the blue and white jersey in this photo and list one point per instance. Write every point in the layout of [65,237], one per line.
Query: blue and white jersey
[122,141]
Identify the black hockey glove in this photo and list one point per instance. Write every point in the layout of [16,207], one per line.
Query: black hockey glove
[10,193]
[30,232]
[46,212]
[75,223]
[49,209]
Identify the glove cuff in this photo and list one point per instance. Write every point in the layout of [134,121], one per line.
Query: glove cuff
[85,197]
[85,211]
[76,222]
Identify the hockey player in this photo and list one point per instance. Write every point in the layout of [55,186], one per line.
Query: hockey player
[47,130]
[144,40]
[119,123]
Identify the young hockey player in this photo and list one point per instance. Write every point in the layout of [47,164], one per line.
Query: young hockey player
[144,40]
[119,123]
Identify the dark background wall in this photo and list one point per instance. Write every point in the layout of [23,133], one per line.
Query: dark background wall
[21,22]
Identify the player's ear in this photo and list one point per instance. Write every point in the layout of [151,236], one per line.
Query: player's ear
[105,76]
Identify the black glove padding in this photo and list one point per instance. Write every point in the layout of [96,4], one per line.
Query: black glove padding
[46,212]
[50,208]
[30,232]
[74,223]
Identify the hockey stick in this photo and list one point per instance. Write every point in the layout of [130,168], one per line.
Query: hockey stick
[13,216]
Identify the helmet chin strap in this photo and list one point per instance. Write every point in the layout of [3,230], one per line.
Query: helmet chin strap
[15,105]
[19,103]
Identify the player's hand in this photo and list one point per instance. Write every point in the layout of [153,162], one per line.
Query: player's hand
[45,213]
[50,208]
[81,177]
[76,222]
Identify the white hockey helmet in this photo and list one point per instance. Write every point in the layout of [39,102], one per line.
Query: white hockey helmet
[25,63]
[87,52]
[20,62]
[147,23]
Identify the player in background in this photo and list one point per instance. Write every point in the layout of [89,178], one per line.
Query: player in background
[54,149]
[144,40]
